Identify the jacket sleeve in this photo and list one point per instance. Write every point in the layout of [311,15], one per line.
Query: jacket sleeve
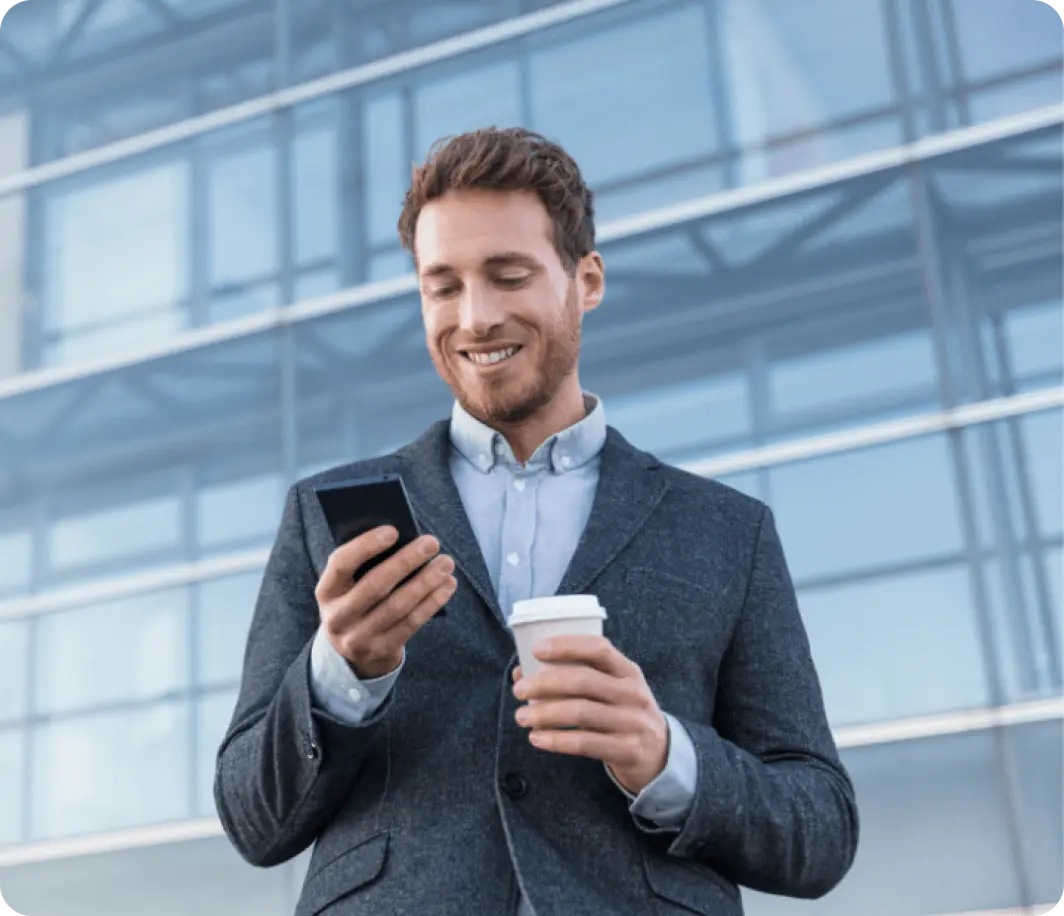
[285,764]
[774,809]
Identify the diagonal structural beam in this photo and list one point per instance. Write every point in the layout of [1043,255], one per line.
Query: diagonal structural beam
[74,33]
[21,62]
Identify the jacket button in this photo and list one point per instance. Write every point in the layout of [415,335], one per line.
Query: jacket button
[514,786]
[310,749]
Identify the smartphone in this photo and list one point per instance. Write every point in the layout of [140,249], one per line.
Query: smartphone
[353,507]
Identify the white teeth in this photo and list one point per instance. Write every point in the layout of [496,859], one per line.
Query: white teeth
[486,359]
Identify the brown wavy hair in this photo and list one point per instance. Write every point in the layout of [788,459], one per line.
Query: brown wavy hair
[511,159]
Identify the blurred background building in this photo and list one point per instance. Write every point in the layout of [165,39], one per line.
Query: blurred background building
[833,238]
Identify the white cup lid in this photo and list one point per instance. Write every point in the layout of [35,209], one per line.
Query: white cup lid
[556,607]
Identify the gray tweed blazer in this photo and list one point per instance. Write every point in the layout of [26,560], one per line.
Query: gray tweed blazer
[438,804]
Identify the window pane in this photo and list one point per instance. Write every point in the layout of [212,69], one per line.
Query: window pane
[619,106]
[214,713]
[127,649]
[12,784]
[999,36]
[867,509]
[111,533]
[317,191]
[1043,440]
[783,73]
[241,512]
[225,610]
[16,560]
[452,104]
[387,166]
[879,646]
[1035,340]
[117,254]
[14,648]
[110,771]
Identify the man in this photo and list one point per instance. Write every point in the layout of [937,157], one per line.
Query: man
[682,754]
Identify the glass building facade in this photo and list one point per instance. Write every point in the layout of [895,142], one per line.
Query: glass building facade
[833,236]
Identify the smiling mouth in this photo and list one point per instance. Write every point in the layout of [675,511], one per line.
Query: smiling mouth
[491,359]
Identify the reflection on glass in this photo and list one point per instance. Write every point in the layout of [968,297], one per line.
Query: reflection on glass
[213,713]
[1043,440]
[239,512]
[387,166]
[117,254]
[126,649]
[1035,340]
[315,165]
[783,77]
[449,105]
[998,36]
[867,509]
[224,618]
[896,647]
[135,529]
[11,784]
[618,105]
[14,647]
[110,771]
[678,421]
[16,560]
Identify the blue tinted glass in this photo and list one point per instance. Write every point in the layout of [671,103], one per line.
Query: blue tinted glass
[116,532]
[619,106]
[212,719]
[867,509]
[387,166]
[16,560]
[225,607]
[879,644]
[125,649]
[1036,749]
[14,649]
[12,783]
[317,192]
[452,104]
[117,250]
[104,772]
[1002,36]
[783,66]
[238,513]
[1043,439]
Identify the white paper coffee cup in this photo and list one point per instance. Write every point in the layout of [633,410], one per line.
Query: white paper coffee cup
[543,618]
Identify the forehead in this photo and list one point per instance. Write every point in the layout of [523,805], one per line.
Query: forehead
[462,228]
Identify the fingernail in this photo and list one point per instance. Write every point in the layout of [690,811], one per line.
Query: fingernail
[388,535]
[428,548]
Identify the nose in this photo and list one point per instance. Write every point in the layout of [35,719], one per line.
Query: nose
[480,311]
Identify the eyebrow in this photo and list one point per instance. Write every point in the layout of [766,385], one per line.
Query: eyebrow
[493,262]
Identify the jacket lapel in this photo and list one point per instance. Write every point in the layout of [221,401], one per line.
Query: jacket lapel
[437,504]
[630,487]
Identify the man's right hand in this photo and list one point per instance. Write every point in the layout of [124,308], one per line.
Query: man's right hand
[370,621]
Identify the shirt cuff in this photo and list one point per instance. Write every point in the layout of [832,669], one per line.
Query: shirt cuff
[336,688]
[666,801]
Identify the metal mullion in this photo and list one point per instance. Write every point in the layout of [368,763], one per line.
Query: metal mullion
[727,146]
[895,41]
[956,61]
[917,180]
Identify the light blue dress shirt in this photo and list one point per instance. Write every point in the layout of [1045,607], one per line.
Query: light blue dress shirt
[527,520]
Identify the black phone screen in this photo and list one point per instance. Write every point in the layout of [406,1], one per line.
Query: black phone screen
[353,507]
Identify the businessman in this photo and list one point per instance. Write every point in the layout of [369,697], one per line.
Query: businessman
[683,754]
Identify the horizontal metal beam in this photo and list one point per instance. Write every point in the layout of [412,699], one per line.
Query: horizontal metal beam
[818,446]
[446,49]
[859,736]
[617,230]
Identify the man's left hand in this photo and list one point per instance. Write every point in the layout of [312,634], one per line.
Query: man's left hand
[589,688]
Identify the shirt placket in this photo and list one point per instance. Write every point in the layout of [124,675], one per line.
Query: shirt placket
[518,537]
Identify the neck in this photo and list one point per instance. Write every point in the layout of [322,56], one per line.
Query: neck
[566,409]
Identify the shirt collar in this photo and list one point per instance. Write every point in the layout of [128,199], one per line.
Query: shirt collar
[484,447]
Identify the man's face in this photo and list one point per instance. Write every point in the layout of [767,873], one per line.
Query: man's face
[502,317]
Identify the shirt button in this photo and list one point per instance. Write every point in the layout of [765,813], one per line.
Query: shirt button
[513,559]
[566,461]
[519,484]
[355,694]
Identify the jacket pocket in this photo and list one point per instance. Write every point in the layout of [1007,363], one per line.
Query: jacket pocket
[345,874]
[692,885]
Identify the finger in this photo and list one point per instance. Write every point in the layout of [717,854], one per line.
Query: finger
[595,651]
[422,612]
[335,581]
[382,580]
[580,681]
[377,618]
[612,749]
[585,715]
[517,674]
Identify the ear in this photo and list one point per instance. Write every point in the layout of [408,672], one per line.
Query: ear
[592,274]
